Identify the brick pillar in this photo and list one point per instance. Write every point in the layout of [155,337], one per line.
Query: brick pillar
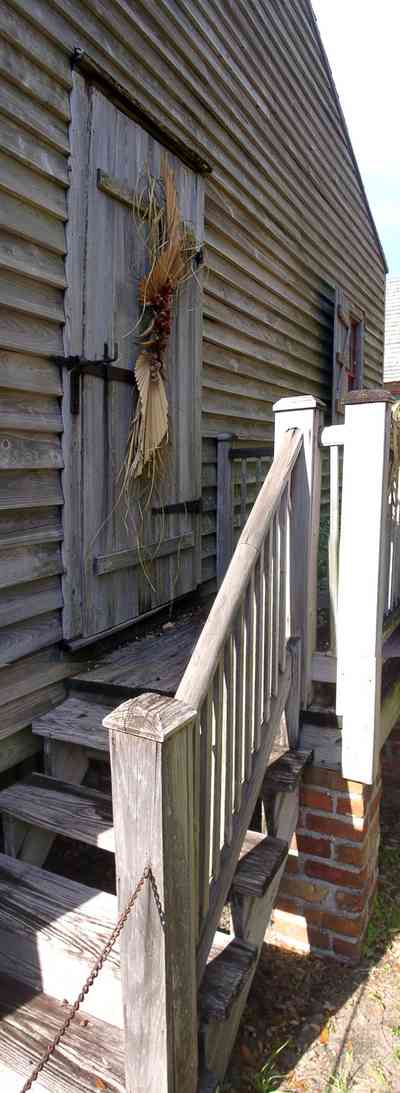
[326,894]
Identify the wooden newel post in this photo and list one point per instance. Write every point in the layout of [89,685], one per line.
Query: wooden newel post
[151,752]
[362,579]
[306,414]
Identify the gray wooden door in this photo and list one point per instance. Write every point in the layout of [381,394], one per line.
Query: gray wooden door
[348,353]
[128,561]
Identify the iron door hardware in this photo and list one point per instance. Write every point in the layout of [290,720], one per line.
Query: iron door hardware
[104,368]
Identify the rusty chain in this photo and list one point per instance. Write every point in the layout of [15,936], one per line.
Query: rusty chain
[97,966]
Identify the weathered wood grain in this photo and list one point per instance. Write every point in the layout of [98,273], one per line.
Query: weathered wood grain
[151,749]
[91,1054]
[224,978]
[73,811]
[75,722]
[261,857]
[52,930]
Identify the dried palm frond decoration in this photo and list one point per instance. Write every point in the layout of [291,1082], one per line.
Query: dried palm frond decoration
[172,247]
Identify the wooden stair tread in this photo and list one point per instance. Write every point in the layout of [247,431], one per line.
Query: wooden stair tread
[224,977]
[260,859]
[92,1054]
[285,772]
[75,721]
[70,810]
[52,930]
[154,662]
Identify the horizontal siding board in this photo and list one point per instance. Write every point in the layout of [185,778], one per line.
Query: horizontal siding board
[23,145]
[20,451]
[32,224]
[17,256]
[21,71]
[19,372]
[21,108]
[28,563]
[34,42]
[30,489]
[24,637]
[20,410]
[41,193]
[34,335]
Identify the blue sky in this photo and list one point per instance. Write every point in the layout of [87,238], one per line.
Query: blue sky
[362,40]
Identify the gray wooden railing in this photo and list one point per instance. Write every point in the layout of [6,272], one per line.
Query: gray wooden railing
[187,771]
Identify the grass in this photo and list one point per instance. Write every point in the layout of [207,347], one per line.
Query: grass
[385,918]
[269,1078]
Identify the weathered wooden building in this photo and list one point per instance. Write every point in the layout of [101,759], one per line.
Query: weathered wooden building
[245,101]
[286,300]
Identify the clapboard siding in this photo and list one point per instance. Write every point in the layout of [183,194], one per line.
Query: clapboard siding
[34,117]
[247,88]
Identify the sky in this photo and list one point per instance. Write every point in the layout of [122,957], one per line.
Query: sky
[362,40]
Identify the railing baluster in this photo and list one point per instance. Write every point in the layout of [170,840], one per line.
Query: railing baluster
[269,624]
[239,712]
[206,797]
[262,639]
[249,684]
[276,555]
[230,677]
[217,747]
[243,493]
[283,521]
[197,821]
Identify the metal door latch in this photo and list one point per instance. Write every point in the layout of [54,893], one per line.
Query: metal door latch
[104,368]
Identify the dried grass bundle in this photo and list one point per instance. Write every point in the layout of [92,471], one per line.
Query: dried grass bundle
[172,246]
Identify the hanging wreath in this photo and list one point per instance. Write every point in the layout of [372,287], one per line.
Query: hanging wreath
[172,247]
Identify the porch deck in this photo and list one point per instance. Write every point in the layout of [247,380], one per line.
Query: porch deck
[154,662]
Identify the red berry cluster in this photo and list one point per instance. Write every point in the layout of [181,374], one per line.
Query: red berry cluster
[162,305]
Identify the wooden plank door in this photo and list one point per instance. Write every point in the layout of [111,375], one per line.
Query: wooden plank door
[131,558]
[348,353]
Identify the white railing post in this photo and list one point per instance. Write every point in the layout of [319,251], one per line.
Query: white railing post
[362,579]
[306,414]
[151,754]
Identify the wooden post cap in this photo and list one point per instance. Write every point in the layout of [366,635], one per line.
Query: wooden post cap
[151,716]
[373,394]
[301,402]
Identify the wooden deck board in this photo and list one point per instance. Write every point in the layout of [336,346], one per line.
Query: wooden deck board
[89,1058]
[51,932]
[155,662]
[76,721]
[73,811]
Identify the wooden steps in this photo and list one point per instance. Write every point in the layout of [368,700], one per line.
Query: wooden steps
[90,1058]
[51,932]
[73,811]
[76,721]
[224,978]
[284,774]
[260,859]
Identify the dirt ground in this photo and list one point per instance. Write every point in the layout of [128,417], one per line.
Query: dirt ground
[341,1025]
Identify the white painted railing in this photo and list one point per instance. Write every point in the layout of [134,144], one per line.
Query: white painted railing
[392,562]
[332,438]
[363,577]
[240,677]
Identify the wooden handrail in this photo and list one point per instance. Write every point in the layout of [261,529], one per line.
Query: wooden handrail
[204,660]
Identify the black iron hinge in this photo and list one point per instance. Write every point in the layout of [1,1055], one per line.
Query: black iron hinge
[104,368]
